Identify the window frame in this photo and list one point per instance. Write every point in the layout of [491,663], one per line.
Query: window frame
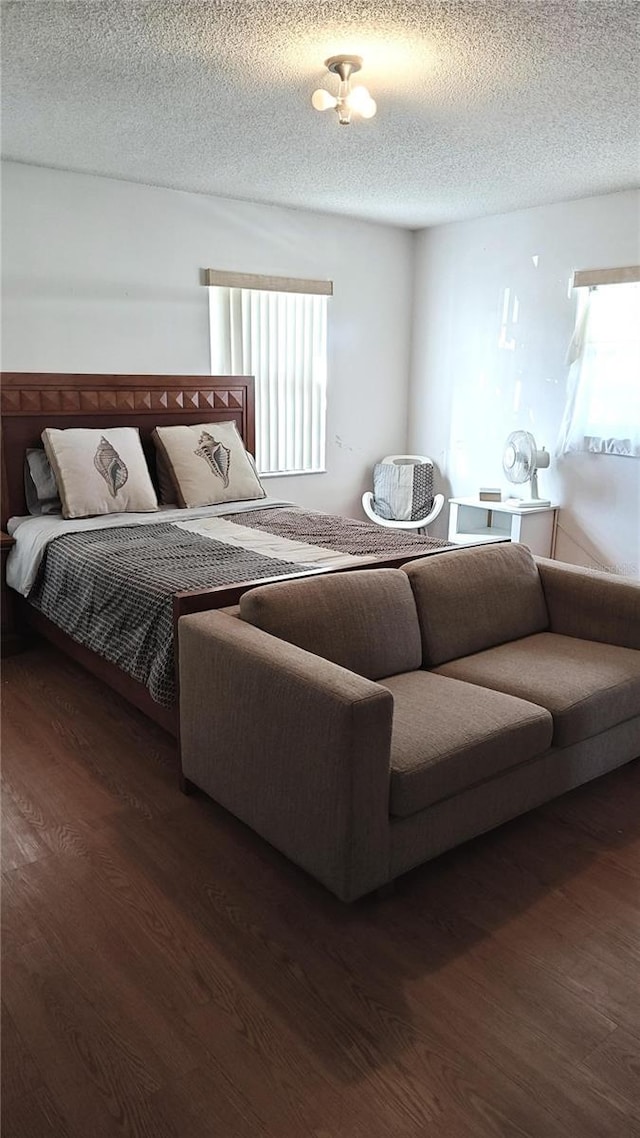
[591,379]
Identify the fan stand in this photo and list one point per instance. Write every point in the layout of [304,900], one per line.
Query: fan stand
[534,502]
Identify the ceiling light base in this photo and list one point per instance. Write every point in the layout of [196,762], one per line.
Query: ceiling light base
[344,65]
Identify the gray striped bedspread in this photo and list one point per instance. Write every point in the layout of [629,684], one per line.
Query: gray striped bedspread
[112,589]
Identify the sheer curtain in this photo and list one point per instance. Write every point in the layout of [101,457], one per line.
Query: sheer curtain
[602,412]
[281,339]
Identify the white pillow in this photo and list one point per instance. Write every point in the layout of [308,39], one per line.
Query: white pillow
[100,471]
[208,464]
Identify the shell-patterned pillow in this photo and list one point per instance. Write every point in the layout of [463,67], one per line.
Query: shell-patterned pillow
[100,471]
[208,464]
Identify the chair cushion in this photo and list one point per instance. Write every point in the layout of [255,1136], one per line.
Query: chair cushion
[475,598]
[365,621]
[403,491]
[449,735]
[587,686]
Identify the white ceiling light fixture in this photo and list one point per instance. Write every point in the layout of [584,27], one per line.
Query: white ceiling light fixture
[349,100]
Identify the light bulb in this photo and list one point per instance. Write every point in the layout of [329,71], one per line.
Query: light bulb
[358,98]
[369,109]
[321,100]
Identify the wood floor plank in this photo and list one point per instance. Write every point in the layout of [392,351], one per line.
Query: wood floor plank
[20,1074]
[207,1103]
[67,1043]
[36,1116]
[522,1050]
[106,948]
[86,751]
[617,1061]
[588,923]
[21,842]
[168,975]
[399,1024]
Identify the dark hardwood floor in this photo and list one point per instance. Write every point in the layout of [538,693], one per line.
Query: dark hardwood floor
[166,973]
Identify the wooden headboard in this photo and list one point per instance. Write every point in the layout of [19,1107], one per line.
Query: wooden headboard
[31,401]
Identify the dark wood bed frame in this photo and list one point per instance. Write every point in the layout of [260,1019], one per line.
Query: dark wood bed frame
[31,401]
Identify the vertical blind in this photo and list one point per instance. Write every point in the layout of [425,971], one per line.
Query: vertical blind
[281,339]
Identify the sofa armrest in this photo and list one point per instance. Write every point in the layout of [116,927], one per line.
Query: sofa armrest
[294,745]
[591,605]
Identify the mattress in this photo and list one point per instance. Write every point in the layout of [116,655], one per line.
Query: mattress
[109,582]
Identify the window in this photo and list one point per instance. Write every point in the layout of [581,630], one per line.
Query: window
[279,336]
[602,412]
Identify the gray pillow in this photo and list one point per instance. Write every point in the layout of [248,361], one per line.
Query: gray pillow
[168,496]
[40,488]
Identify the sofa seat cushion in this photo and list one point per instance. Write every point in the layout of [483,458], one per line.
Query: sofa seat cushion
[448,735]
[587,686]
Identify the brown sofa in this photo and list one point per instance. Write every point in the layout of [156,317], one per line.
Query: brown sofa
[364,722]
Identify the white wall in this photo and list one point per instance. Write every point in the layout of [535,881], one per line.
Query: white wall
[473,381]
[103,276]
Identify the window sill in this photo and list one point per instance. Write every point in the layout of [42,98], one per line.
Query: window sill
[290,473]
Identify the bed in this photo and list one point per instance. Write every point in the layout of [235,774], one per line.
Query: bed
[110,590]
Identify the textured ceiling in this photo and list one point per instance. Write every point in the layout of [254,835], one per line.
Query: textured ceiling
[482,107]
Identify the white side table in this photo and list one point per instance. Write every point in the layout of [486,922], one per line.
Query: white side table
[472,521]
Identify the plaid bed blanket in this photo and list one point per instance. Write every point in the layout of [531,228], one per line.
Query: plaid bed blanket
[112,589]
[346,535]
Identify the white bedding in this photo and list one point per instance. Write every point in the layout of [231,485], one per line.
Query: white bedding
[33,534]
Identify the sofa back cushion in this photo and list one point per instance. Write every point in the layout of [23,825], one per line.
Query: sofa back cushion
[472,599]
[365,621]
